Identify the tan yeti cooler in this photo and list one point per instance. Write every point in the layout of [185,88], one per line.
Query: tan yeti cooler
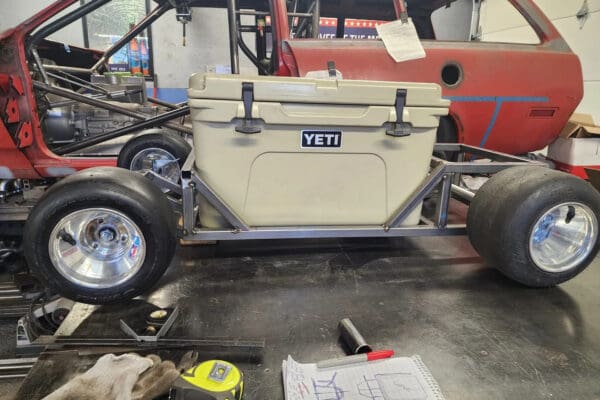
[314,152]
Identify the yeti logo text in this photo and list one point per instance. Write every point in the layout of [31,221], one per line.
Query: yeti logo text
[321,139]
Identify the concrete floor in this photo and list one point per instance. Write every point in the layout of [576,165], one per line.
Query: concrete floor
[482,336]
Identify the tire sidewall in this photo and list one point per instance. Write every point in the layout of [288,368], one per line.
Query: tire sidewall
[172,143]
[525,214]
[159,240]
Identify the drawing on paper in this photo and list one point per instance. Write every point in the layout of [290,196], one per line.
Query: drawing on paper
[397,386]
[326,389]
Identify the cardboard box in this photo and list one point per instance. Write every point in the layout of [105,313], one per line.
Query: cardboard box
[577,147]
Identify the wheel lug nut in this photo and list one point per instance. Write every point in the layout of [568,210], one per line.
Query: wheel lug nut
[124,238]
[95,245]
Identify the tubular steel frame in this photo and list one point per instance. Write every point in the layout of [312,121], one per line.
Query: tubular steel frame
[97,101]
[442,177]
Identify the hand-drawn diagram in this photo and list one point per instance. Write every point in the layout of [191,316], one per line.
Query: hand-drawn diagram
[401,378]
[398,386]
[326,389]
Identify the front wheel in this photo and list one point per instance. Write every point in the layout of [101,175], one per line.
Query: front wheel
[537,226]
[101,236]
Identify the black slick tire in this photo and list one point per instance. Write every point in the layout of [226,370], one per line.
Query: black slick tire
[170,142]
[124,191]
[503,213]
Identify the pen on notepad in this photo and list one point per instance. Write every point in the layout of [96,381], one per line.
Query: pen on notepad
[358,358]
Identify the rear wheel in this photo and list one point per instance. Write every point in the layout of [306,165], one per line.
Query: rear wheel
[162,153]
[537,226]
[101,236]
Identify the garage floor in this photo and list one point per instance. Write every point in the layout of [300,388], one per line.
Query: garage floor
[482,336]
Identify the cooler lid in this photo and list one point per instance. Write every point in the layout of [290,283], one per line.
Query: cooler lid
[304,90]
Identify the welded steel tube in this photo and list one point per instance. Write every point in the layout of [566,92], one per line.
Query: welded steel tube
[233,37]
[462,192]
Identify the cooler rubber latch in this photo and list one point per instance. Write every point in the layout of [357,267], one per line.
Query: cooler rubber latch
[248,99]
[400,128]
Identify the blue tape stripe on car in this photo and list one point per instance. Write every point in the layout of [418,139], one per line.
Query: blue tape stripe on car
[499,100]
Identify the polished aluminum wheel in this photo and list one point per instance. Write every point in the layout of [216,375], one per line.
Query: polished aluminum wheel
[159,161]
[97,248]
[563,237]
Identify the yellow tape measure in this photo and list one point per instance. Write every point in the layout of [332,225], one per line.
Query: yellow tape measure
[211,380]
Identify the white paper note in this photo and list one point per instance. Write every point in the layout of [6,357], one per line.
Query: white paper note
[401,40]
[400,378]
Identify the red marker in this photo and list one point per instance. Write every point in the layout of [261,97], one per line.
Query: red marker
[358,358]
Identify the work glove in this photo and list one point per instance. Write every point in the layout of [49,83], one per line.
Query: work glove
[159,378]
[111,378]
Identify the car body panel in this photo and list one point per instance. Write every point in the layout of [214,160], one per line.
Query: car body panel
[32,159]
[500,113]
[512,97]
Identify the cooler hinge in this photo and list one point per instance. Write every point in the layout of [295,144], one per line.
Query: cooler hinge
[248,99]
[400,128]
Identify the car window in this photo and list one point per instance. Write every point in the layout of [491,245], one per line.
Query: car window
[100,30]
[71,34]
[501,22]
[452,20]
[466,20]
[106,25]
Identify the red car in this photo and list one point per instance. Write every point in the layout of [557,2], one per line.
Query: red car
[506,97]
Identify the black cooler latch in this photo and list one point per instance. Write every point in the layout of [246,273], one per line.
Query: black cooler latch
[248,99]
[400,128]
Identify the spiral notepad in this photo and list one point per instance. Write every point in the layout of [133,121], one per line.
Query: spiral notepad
[400,378]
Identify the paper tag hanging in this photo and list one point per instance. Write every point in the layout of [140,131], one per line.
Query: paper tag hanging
[401,40]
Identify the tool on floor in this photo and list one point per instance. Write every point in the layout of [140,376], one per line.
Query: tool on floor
[352,338]
[210,380]
[160,319]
